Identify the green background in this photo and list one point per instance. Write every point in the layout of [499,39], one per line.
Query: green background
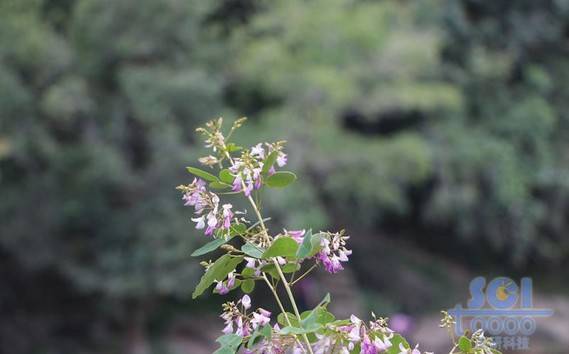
[435,132]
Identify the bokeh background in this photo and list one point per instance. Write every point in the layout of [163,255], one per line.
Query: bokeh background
[436,132]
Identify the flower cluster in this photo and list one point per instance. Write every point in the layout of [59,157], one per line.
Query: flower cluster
[206,205]
[247,168]
[482,344]
[374,338]
[239,322]
[253,255]
[334,251]
[223,287]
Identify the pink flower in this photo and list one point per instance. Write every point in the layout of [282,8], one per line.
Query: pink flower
[257,178]
[223,288]
[228,328]
[281,159]
[242,328]
[260,318]
[200,222]
[250,262]
[227,215]
[211,223]
[382,345]
[237,183]
[258,151]
[367,346]
[297,235]
[409,351]
[248,188]
[333,252]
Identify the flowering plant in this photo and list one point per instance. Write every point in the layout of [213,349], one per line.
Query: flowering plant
[254,254]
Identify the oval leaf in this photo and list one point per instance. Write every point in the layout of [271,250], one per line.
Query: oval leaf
[225,176]
[208,247]
[305,246]
[280,179]
[464,344]
[202,174]
[282,247]
[219,185]
[229,343]
[252,250]
[217,271]
[282,319]
[248,286]
[290,267]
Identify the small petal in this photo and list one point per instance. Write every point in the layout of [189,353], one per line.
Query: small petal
[246,301]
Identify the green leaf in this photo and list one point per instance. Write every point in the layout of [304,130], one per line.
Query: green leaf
[248,272]
[395,340]
[225,350]
[282,247]
[248,286]
[321,314]
[339,323]
[290,267]
[271,270]
[264,331]
[229,344]
[231,147]
[464,344]
[208,247]
[316,244]
[280,179]
[306,246]
[217,271]
[219,185]
[298,330]
[281,319]
[269,162]
[325,301]
[252,250]
[202,174]
[267,331]
[226,177]
[237,229]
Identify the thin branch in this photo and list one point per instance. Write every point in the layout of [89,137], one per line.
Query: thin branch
[303,275]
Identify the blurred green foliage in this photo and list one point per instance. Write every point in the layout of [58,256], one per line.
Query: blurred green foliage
[446,116]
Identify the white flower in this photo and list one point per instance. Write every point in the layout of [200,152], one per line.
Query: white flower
[200,222]
[258,151]
[246,302]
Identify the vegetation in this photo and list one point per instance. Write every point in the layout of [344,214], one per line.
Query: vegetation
[445,119]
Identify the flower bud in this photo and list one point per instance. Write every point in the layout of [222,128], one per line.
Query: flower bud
[229,248]
[208,160]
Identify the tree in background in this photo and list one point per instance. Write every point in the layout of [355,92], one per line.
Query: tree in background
[95,110]
[504,173]
[448,114]
[443,118]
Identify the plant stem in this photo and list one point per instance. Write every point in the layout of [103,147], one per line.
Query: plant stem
[453,348]
[281,274]
[277,265]
[303,275]
[277,298]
